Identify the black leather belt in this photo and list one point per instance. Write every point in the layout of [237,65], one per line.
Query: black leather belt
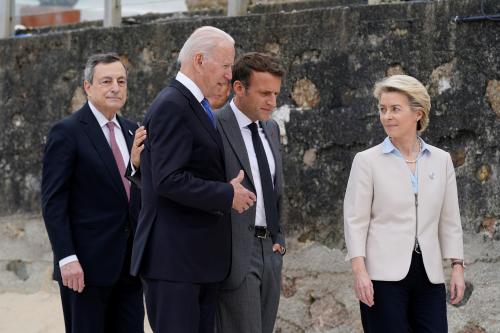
[261,232]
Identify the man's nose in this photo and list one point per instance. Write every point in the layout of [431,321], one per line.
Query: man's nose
[272,100]
[229,74]
[115,86]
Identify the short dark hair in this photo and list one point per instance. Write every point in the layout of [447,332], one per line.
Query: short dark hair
[258,62]
[96,59]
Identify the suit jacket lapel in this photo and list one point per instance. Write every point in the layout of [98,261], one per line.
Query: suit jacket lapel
[200,113]
[128,133]
[424,169]
[272,138]
[101,145]
[229,125]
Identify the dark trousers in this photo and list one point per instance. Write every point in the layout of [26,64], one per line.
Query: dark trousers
[412,305]
[115,309]
[180,307]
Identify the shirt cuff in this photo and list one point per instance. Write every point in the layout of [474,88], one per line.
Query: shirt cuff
[67,260]
[133,169]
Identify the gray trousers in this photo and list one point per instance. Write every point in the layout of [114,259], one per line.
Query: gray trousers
[252,307]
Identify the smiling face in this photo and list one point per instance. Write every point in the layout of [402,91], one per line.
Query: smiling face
[258,100]
[108,89]
[396,115]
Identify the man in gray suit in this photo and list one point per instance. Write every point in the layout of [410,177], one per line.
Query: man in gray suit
[249,297]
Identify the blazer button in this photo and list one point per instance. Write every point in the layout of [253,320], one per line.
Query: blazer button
[126,229]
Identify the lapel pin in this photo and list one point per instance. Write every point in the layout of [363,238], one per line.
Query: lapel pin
[130,132]
[432,175]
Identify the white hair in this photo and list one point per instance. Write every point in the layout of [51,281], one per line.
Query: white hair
[203,40]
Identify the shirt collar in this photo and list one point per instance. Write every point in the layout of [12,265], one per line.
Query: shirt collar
[192,87]
[388,147]
[101,119]
[241,118]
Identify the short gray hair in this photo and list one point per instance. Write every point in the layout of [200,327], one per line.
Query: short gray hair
[96,59]
[203,40]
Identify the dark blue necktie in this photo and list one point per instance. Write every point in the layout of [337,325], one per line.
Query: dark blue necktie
[270,201]
[209,111]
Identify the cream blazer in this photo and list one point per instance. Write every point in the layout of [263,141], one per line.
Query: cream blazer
[380,216]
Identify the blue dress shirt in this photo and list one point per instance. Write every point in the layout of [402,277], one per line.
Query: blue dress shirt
[389,148]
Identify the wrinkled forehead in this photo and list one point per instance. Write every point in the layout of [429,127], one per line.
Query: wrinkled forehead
[223,51]
[115,70]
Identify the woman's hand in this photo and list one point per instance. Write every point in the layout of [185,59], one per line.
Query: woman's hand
[457,284]
[363,286]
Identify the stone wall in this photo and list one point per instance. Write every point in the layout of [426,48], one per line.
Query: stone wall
[334,55]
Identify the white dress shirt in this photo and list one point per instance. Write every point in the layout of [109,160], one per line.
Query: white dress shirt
[243,122]
[192,87]
[122,145]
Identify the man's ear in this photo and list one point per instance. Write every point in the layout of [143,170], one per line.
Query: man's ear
[198,61]
[238,88]
[86,86]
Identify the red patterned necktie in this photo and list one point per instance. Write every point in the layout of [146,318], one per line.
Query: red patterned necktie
[118,156]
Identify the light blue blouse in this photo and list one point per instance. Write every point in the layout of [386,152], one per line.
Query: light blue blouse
[389,148]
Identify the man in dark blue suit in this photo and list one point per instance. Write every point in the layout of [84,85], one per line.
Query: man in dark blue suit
[182,247]
[90,209]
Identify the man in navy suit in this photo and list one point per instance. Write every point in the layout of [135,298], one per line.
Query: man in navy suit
[182,247]
[90,210]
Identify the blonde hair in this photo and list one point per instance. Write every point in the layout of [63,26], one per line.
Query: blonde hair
[203,40]
[417,94]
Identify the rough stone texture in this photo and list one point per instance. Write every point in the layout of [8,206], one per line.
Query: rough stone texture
[273,6]
[343,51]
[25,255]
[305,94]
[440,80]
[317,291]
[493,95]
[472,327]
[204,4]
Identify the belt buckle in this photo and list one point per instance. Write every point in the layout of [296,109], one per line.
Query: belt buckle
[264,236]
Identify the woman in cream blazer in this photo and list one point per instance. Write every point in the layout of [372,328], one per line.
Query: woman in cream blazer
[401,219]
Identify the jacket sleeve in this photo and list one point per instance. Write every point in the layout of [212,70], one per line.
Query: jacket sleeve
[136,178]
[450,226]
[170,143]
[357,207]
[280,237]
[58,167]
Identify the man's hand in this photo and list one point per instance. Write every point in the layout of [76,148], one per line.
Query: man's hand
[243,198]
[278,248]
[72,276]
[138,146]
